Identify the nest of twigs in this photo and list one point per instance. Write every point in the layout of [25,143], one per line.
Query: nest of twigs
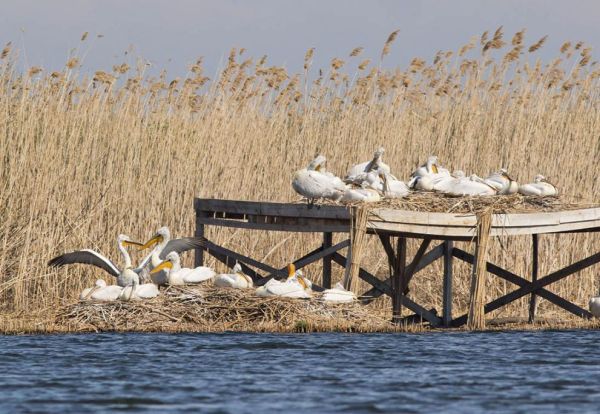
[210,309]
[515,203]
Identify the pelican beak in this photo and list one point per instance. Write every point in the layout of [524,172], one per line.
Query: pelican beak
[164,265]
[318,168]
[434,168]
[154,240]
[291,270]
[302,282]
[126,243]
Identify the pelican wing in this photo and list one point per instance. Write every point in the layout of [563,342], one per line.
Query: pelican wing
[182,245]
[86,257]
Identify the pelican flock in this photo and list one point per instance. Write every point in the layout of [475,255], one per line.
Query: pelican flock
[372,181]
[368,181]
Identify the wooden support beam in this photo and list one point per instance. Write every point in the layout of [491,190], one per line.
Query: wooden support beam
[398,279]
[199,253]
[533,301]
[425,261]
[537,286]
[309,258]
[423,313]
[212,248]
[410,269]
[447,284]
[327,243]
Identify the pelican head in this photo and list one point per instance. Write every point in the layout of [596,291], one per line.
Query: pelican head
[237,268]
[539,178]
[291,268]
[504,173]
[318,163]
[171,260]
[160,236]
[125,241]
[432,164]
[100,283]
[301,279]
[379,153]
[458,174]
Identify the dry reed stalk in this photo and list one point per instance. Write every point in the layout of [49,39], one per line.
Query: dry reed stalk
[358,233]
[477,300]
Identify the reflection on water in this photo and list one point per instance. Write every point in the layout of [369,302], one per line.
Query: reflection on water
[254,373]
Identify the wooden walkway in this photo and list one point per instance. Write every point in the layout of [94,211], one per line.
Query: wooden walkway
[394,227]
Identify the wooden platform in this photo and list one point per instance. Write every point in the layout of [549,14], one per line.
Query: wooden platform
[389,224]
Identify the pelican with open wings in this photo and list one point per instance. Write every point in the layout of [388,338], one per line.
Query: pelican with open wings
[125,276]
[163,245]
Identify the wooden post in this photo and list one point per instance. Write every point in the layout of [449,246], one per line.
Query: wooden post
[447,288]
[199,252]
[476,318]
[327,243]
[398,274]
[533,300]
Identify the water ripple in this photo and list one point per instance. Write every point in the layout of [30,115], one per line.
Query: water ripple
[249,373]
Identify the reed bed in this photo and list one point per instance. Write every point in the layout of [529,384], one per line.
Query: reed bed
[88,156]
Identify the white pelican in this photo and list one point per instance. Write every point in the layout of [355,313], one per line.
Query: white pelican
[470,186]
[367,195]
[124,276]
[502,182]
[296,286]
[178,276]
[163,245]
[338,294]
[595,306]
[393,188]
[105,293]
[135,291]
[421,182]
[443,183]
[430,167]
[357,173]
[236,280]
[540,187]
[314,184]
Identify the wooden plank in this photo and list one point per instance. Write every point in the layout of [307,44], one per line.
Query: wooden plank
[447,284]
[533,301]
[327,243]
[314,227]
[272,209]
[427,259]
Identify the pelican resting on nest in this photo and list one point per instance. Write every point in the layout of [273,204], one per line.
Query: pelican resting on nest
[338,294]
[367,195]
[314,183]
[124,276]
[295,286]
[101,292]
[163,245]
[135,291]
[236,280]
[178,276]
[358,173]
[470,186]
[502,182]
[539,187]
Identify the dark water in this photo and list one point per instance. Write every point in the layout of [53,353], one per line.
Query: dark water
[246,373]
